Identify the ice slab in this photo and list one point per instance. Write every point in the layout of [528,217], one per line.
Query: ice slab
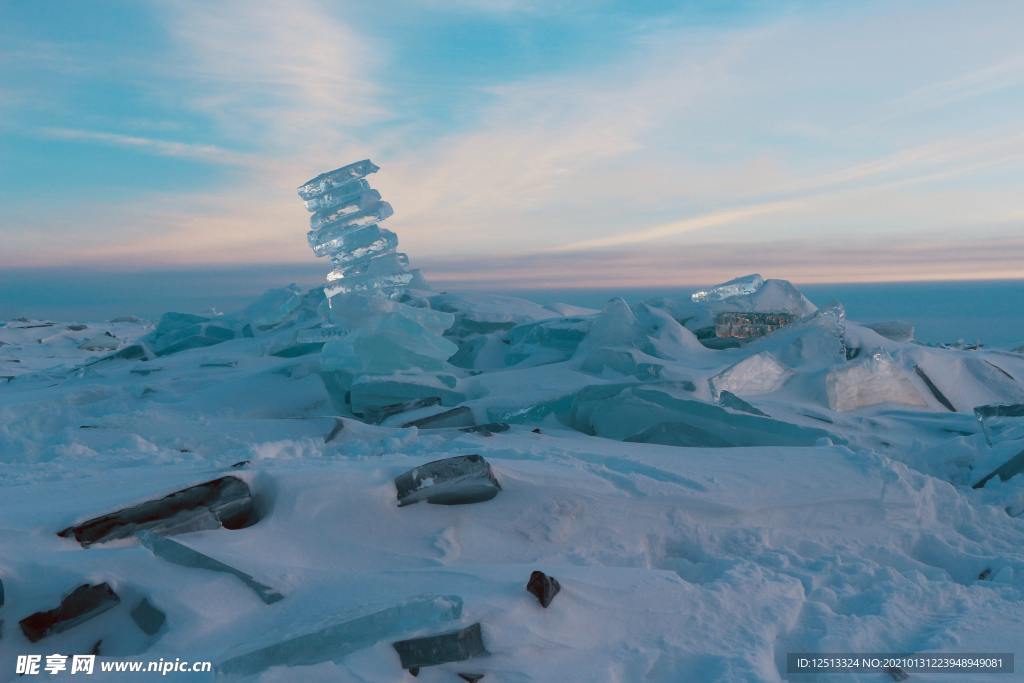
[1006,471]
[748,284]
[273,307]
[547,341]
[760,373]
[453,646]
[100,342]
[81,604]
[179,554]
[336,637]
[312,189]
[935,391]
[654,415]
[875,380]
[543,587]
[462,416]
[378,414]
[148,617]
[370,392]
[727,399]
[896,330]
[345,227]
[459,480]
[226,501]
[178,332]
[1001,422]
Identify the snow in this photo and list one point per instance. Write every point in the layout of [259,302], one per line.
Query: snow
[843,518]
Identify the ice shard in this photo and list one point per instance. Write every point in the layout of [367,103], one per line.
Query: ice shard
[459,480]
[148,617]
[453,646]
[223,502]
[179,554]
[345,634]
[345,226]
[81,604]
[748,284]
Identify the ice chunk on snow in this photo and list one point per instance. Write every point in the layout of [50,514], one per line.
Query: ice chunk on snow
[459,480]
[179,554]
[757,374]
[226,501]
[748,284]
[453,646]
[81,604]
[148,617]
[875,380]
[341,635]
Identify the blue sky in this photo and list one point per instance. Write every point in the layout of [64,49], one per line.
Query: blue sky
[523,143]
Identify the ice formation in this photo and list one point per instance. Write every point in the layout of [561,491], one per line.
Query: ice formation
[818,452]
[748,284]
[345,226]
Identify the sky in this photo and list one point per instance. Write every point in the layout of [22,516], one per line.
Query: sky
[522,144]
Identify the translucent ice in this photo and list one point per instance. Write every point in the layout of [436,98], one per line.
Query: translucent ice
[345,227]
[346,633]
[748,284]
[761,373]
[873,381]
[176,553]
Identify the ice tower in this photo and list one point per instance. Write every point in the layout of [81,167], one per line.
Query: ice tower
[345,225]
[386,348]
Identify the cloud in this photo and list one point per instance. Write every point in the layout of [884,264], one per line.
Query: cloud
[168,148]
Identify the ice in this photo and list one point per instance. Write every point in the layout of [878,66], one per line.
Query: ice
[449,419]
[748,284]
[760,373]
[543,587]
[345,227]
[1005,472]
[222,502]
[896,330]
[273,307]
[1001,422]
[344,634]
[179,554]
[655,415]
[178,332]
[148,617]
[935,391]
[83,603]
[547,341]
[101,342]
[727,399]
[453,646]
[875,380]
[332,180]
[369,393]
[460,480]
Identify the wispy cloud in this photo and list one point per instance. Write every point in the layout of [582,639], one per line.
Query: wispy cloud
[169,148]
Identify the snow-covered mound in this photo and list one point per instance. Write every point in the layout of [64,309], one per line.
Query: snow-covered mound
[706,503]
